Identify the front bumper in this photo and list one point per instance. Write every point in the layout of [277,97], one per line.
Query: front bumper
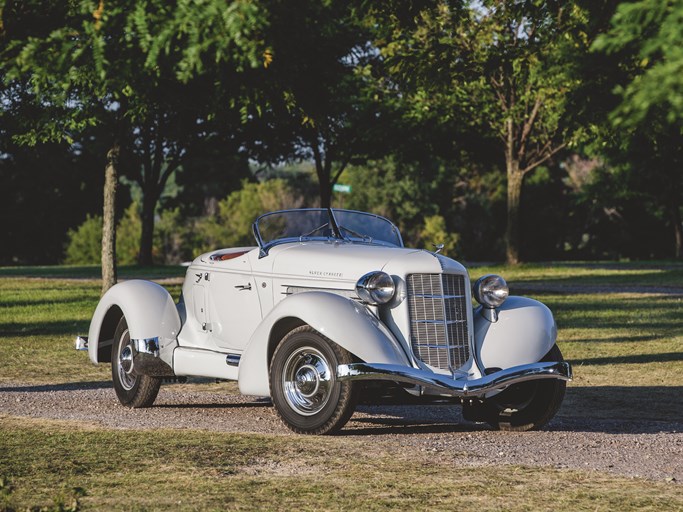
[455,387]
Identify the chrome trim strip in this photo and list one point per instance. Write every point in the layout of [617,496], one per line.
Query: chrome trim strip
[233,359]
[462,387]
[432,296]
[430,345]
[439,322]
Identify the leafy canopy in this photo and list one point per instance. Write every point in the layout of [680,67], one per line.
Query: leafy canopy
[647,36]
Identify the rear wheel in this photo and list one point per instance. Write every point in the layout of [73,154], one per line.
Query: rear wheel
[525,406]
[132,390]
[306,394]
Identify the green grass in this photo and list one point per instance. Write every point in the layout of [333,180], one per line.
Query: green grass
[191,470]
[615,275]
[39,321]
[626,348]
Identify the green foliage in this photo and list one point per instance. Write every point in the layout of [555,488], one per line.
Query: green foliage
[434,233]
[84,245]
[172,238]
[127,236]
[499,73]
[157,79]
[647,36]
[482,66]
[646,141]
[401,192]
[231,227]
[171,242]
[467,199]
[417,105]
[210,31]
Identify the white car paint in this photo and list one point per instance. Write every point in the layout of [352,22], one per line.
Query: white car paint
[234,300]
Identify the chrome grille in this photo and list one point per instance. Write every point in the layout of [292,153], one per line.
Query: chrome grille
[438,319]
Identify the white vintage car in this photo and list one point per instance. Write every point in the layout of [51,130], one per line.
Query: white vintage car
[328,300]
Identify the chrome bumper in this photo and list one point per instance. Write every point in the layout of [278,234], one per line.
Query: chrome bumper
[455,387]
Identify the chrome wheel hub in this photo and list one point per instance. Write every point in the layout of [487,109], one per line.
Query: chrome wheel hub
[126,359]
[307,381]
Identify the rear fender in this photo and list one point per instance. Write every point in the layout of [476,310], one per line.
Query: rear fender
[150,313]
[524,333]
[342,320]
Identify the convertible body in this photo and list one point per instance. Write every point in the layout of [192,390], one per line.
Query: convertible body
[327,300]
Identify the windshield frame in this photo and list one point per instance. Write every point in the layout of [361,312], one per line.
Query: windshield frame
[336,230]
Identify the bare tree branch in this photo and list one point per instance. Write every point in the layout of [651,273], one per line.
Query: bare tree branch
[548,156]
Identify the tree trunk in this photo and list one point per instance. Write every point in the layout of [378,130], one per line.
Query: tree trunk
[325,194]
[109,219]
[514,193]
[678,228]
[149,202]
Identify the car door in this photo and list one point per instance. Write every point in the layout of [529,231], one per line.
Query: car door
[235,309]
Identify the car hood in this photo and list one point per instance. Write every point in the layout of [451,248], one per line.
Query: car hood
[343,261]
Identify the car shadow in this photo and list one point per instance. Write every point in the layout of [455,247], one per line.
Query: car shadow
[66,386]
[195,405]
[622,409]
[668,357]
[380,427]
[602,409]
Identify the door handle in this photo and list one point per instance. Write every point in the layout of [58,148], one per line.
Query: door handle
[243,286]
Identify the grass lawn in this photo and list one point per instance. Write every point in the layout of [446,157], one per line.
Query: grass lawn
[626,347]
[192,470]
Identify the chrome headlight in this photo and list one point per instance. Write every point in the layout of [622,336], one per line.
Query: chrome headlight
[376,288]
[490,291]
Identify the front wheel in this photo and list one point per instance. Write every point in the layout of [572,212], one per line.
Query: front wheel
[132,390]
[525,406]
[306,394]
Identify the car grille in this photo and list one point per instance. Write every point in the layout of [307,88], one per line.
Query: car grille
[438,319]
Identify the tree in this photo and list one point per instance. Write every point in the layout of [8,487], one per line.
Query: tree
[134,72]
[66,93]
[501,69]
[646,35]
[321,105]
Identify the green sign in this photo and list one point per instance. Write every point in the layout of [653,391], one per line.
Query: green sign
[345,189]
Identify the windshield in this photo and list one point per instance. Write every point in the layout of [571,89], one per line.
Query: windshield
[316,224]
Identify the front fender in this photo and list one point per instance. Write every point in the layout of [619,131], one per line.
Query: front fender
[342,320]
[524,333]
[150,313]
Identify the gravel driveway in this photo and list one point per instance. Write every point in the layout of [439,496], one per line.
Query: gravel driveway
[652,450]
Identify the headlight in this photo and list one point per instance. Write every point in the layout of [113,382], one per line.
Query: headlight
[490,291]
[376,288]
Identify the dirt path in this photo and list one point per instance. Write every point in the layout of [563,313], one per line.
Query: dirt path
[652,450]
